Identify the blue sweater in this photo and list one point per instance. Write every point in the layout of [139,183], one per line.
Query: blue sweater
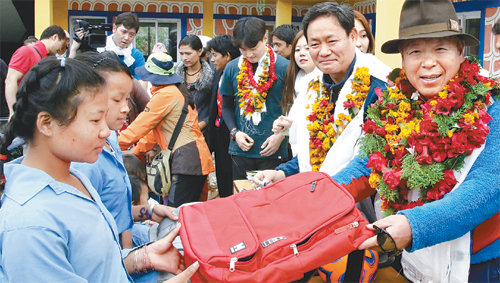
[476,200]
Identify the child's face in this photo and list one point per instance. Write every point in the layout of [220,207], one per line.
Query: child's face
[83,139]
[118,88]
[143,200]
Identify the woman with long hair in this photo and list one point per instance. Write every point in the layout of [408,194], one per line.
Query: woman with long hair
[197,76]
[301,70]
[366,41]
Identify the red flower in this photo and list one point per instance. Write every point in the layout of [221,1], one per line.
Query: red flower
[312,117]
[439,156]
[423,156]
[349,104]
[392,178]
[443,107]
[324,103]
[377,161]
[369,126]
[442,187]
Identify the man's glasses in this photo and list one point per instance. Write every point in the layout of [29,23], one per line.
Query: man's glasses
[386,242]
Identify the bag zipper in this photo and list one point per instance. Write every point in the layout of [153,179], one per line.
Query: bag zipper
[295,250]
[344,228]
[232,263]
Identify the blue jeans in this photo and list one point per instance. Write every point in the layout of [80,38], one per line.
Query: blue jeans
[488,271]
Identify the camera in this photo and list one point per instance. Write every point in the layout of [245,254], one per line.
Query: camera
[92,40]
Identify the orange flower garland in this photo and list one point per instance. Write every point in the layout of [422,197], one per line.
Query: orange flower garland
[251,101]
[324,128]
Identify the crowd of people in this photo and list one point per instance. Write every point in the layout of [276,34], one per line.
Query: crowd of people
[417,146]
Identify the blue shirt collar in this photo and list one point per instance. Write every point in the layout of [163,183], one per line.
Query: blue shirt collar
[35,180]
[327,80]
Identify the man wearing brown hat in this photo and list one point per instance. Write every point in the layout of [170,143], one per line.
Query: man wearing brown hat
[434,166]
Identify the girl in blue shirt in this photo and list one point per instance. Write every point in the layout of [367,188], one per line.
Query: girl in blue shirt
[108,174]
[53,225]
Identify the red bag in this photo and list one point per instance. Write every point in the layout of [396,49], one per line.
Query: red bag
[274,234]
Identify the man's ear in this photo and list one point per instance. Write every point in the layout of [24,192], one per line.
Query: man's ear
[45,123]
[54,37]
[354,35]
[265,38]
[114,28]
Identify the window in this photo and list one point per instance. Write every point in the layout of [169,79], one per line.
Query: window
[152,31]
[471,24]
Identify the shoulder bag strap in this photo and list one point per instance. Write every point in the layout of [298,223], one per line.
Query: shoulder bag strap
[38,52]
[178,127]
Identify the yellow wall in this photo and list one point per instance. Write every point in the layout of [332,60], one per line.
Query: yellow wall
[283,12]
[387,28]
[208,19]
[50,12]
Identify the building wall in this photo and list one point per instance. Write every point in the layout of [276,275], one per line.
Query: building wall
[226,14]
[491,55]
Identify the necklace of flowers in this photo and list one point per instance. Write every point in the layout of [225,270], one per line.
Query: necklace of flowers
[253,94]
[324,128]
[416,145]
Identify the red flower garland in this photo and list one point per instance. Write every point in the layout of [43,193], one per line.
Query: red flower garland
[265,87]
[425,141]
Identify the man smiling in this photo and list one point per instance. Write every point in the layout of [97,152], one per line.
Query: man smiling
[333,51]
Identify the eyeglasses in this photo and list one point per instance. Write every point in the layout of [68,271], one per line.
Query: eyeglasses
[386,242]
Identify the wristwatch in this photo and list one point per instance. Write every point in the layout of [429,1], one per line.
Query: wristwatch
[233,132]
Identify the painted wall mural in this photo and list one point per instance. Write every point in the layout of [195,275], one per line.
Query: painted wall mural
[491,55]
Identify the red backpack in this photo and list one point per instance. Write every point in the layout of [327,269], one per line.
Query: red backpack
[274,234]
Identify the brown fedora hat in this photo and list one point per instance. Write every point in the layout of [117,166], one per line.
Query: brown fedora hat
[427,19]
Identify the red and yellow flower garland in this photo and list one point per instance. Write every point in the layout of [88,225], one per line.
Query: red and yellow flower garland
[251,101]
[415,145]
[324,128]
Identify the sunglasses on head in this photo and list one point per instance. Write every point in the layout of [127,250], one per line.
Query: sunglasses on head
[386,242]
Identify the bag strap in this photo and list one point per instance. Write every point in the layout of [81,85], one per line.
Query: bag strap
[37,52]
[178,127]
[354,266]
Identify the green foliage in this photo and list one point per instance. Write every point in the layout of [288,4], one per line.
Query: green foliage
[371,143]
[421,176]
[390,211]
[455,163]
[444,123]
[373,113]
[389,194]
[394,74]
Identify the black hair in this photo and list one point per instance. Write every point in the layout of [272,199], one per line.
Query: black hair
[285,32]
[343,13]
[30,39]
[51,86]
[106,61]
[496,27]
[192,41]
[223,44]
[248,31]
[50,31]
[134,166]
[136,184]
[128,20]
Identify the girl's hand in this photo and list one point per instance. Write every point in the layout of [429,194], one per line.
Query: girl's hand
[164,256]
[185,275]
